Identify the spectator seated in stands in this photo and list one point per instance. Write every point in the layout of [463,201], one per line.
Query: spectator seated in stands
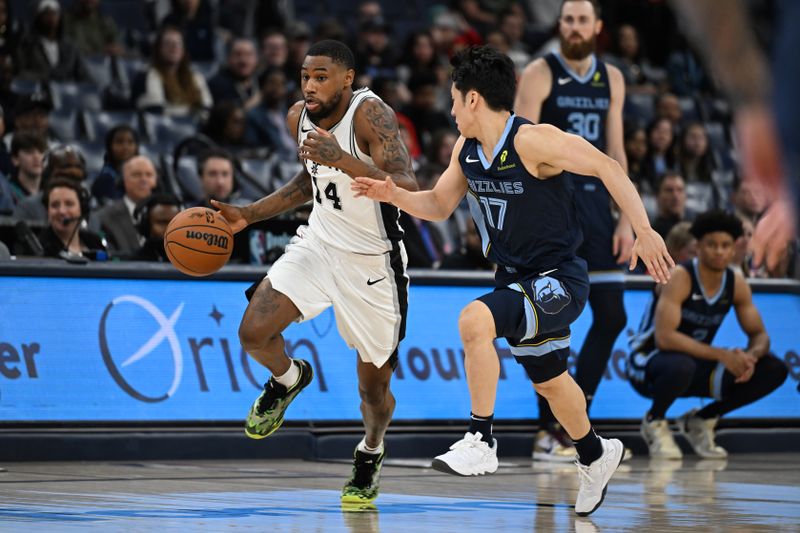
[672,356]
[512,25]
[216,170]
[749,199]
[373,49]
[669,107]
[67,205]
[62,161]
[635,140]
[266,122]
[681,244]
[422,110]
[696,164]
[419,55]
[627,56]
[90,31]
[154,215]
[671,203]
[170,83]
[660,151]
[32,113]
[44,54]
[275,54]
[226,126]
[195,20]
[237,81]
[27,154]
[122,143]
[116,220]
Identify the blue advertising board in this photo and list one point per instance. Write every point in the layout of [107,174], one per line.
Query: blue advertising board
[78,349]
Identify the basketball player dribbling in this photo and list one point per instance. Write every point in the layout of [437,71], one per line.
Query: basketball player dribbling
[513,173]
[349,256]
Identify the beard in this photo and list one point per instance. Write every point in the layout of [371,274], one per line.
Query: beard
[577,50]
[325,109]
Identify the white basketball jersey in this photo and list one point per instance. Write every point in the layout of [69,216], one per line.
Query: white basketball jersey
[358,225]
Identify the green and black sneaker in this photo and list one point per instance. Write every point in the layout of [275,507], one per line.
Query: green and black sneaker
[362,487]
[266,414]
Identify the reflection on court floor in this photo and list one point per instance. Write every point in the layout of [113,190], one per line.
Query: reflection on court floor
[742,494]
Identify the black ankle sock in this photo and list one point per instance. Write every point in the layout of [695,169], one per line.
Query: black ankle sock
[482,424]
[589,448]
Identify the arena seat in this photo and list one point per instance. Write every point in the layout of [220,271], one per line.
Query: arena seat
[98,123]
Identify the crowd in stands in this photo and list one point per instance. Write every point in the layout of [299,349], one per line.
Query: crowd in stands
[116,113]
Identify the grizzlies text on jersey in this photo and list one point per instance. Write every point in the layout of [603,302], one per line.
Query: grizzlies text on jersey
[701,317]
[579,105]
[526,224]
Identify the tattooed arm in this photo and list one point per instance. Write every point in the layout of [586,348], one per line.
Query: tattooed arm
[377,134]
[294,193]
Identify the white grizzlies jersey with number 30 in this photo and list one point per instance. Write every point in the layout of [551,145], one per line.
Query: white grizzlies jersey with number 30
[340,220]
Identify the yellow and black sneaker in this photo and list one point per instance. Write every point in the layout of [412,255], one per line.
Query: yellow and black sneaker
[362,487]
[266,414]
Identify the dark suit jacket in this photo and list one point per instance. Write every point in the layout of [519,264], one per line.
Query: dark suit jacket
[117,226]
[32,62]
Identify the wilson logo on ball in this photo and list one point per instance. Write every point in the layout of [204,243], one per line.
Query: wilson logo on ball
[220,241]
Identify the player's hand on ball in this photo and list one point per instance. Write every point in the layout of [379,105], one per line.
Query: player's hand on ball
[233,214]
[380,191]
[650,248]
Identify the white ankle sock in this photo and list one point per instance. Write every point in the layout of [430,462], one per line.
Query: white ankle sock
[290,377]
[362,447]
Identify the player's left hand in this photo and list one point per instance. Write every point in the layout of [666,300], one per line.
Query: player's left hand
[650,248]
[622,241]
[320,146]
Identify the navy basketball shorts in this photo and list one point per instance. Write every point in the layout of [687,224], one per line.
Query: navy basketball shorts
[597,224]
[534,314]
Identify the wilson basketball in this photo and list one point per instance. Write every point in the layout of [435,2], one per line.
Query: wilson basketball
[198,241]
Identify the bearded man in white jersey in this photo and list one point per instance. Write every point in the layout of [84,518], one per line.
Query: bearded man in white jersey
[349,256]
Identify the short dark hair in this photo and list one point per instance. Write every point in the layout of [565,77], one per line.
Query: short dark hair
[487,71]
[27,140]
[336,50]
[147,205]
[595,6]
[713,221]
[668,174]
[80,192]
[213,153]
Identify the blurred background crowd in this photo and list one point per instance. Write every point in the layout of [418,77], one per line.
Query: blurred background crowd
[115,114]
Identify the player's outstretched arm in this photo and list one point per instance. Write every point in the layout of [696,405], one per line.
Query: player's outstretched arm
[546,151]
[296,192]
[378,135]
[436,204]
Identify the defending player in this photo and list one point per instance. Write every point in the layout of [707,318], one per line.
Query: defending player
[522,204]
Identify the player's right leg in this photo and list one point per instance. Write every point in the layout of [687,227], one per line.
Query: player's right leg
[295,290]
[476,453]
[267,315]
[598,458]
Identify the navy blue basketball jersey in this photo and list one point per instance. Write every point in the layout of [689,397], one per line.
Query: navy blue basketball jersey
[701,314]
[526,224]
[579,105]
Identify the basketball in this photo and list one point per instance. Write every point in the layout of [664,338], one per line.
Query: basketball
[198,241]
